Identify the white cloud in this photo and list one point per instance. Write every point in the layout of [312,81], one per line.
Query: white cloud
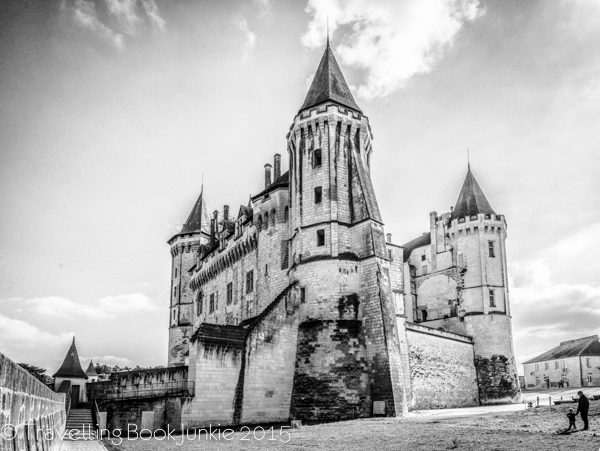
[86,16]
[21,341]
[263,6]
[125,13]
[250,38]
[390,40]
[152,12]
[104,308]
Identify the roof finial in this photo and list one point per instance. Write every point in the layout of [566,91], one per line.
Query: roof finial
[468,160]
[327,31]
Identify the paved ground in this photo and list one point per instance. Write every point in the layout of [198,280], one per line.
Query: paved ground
[501,428]
[82,445]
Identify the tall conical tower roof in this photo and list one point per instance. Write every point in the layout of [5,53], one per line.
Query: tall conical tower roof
[91,371]
[198,219]
[471,200]
[329,84]
[71,367]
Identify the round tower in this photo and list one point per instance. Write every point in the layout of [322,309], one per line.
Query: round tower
[339,260]
[477,236]
[184,251]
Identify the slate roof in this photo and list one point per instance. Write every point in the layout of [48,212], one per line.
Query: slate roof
[471,200]
[282,182]
[329,84]
[71,367]
[91,371]
[588,346]
[198,218]
[234,335]
[423,240]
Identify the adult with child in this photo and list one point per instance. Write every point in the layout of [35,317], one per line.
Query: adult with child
[583,407]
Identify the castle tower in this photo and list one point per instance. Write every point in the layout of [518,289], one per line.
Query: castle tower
[338,256]
[476,235]
[184,251]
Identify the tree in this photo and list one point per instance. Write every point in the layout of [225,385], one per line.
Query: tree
[35,371]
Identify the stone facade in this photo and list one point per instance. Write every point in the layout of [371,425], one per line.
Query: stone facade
[301,308]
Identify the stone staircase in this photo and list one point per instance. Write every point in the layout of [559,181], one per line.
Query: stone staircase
[80,425]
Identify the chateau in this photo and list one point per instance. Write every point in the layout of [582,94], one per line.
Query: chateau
[299,306]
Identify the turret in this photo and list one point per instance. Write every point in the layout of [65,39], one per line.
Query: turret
[338,247]
[184,247]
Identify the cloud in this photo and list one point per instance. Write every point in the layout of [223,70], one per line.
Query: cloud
[21,341]
[555,296]
[263,6]
[84,13]
[125,13]
[152,12]
[390,40]
[125,18]
[104,308]
[250,38]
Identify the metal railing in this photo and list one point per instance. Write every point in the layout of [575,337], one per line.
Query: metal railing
[165,390]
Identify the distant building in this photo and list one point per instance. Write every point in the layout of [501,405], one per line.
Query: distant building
[70,377]
[91,373]
[575,363]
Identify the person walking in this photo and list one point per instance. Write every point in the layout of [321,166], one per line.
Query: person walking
[583,407]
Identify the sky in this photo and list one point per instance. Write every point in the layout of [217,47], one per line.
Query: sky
[114,112]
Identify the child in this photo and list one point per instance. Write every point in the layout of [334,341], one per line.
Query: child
[571,417]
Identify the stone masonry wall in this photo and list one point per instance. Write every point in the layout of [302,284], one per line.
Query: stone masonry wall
[442,369]
[332,373]
[37,413]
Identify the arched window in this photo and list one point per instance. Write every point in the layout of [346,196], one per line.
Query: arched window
[286,214]
[266,220]
[273,216]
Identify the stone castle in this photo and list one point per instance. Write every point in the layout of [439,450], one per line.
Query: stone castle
[300,307]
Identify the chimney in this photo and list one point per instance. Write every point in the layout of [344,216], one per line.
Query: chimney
[277,172]
[267,175]
[388,237]
[213,229]
[225,212]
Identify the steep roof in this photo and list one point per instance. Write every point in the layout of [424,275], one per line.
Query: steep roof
[91,371]
[283,181]
[421,241]
[587,346]
[71,367]
[471,200]
[329,84]
[198,220]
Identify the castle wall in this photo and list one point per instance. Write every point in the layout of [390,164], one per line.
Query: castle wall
[127,414]
[442,369]
[331,380]
[36,412]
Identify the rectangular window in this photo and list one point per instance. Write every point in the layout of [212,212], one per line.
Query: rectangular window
[175,272]
[174,291]
[589,378]
[424,270]
[546,366]
[199,303]
[423,258]
[556,365]
[588,362]
[492,299]
[266,270]
[537,367]
[321,237]
[317,160]
[302,295]
[211,305]
[229,292]
[491,249]
[318,195]
[563,364]
[537,380]
[249,281]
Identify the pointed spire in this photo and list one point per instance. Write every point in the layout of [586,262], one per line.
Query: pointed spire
[71,366]
[329,84]
[198,220]
[91,371]
[471,200]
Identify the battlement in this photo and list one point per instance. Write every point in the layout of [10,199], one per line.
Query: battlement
[329,108]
